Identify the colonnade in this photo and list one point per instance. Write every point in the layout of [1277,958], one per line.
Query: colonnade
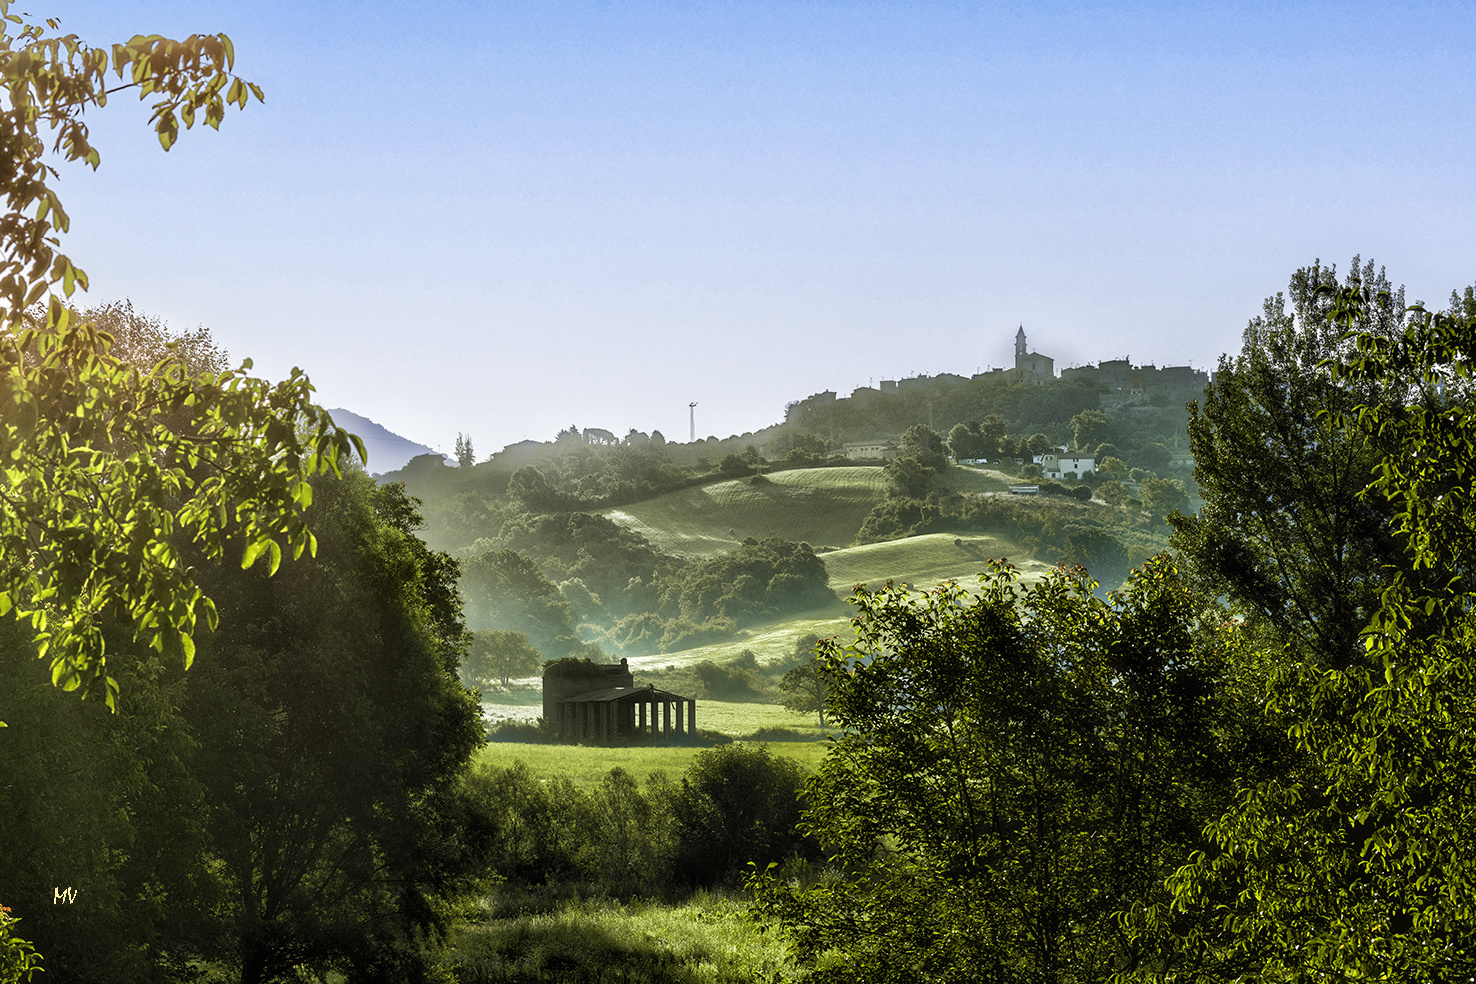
[608,720]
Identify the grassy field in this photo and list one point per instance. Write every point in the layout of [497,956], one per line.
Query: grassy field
[821,506]
[706,940]
[968,478]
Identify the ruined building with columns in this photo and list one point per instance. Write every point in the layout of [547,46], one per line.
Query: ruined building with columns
[584,701]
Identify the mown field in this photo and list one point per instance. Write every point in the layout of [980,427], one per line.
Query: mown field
[922,561]
[821,506]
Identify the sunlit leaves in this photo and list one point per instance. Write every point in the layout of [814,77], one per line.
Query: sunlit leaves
[49,81]
[104,468]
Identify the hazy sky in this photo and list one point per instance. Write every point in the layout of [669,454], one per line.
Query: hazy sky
[506,218]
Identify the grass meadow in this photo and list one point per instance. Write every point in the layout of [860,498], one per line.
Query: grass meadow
[706,939]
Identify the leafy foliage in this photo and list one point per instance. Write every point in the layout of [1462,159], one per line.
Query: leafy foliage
[1014,769]
[106,466]
[806,689]
[1357,865]
[106,462]
[1285,531]
[18,959]
[52,80]
[738,804]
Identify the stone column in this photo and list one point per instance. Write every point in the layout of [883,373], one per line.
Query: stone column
[666,717]
[641,710]
[692,715]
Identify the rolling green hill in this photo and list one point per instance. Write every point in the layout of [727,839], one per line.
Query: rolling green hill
[922,561]
[820,506]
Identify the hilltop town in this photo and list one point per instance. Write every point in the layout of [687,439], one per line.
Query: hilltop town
[1116,379]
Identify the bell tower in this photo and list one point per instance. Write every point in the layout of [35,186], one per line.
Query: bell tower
[1020,347]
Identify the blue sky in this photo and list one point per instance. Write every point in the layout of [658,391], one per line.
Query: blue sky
[506,218]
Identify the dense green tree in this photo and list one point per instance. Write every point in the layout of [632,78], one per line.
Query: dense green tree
[760,578]
[1286,532]
[530,487]
[1038,444]
[965,443]
[1164,496]
[1102,554]
[796,445]
[909,478]
[1153,455]
[506,590]
[806,689]
[498,655]
[1012,770]
[1090,428]
[926,446]
[738,804]
[331,729]
[466,457]
[592,548]
[102,804]
[994,435]
[1357,865]
[897,516]
[733,466]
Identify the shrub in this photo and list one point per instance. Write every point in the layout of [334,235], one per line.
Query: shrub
[738,803]
[18,959]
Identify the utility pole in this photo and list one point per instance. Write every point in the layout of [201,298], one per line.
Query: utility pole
[692,421]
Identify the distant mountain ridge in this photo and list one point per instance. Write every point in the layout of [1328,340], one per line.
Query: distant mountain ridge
[387,450]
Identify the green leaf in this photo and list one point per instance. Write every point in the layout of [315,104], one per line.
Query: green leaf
[254,549]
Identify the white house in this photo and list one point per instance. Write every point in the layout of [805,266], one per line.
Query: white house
[870,450]
[1057,464]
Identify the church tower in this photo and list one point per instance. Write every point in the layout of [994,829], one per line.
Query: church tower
[1031,368]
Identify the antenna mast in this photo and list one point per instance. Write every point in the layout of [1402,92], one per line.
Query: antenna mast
[692,421]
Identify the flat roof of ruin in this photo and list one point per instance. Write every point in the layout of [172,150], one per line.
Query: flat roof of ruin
[623,693]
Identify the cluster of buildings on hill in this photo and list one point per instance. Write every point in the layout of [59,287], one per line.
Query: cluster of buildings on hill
[1117,376]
